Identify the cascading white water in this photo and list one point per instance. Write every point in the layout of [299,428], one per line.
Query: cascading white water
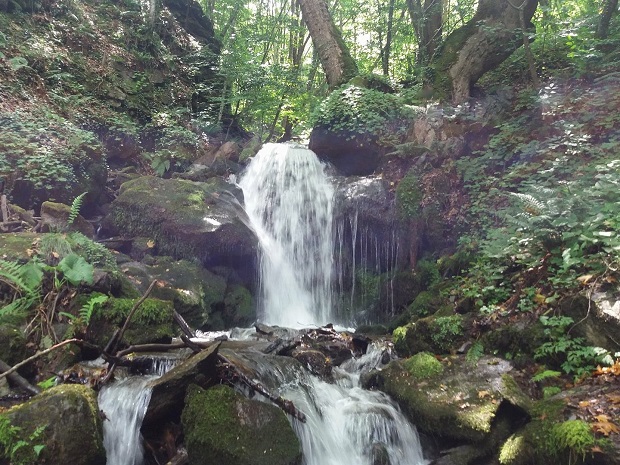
[124,404]
[345,424]
[289,201]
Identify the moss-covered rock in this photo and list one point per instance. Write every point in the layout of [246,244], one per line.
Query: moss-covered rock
[65,420]
[187,220]
[223,427]
[455,401]
[55,217]
[207,301]
[152,321]
[435,334]
[12,344]
[555,436]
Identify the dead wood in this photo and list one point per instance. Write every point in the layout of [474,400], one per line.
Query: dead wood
[281,402]
[17,379]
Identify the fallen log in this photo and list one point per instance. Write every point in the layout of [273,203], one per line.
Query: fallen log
[281,402]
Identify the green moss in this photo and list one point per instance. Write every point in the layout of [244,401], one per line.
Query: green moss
[574,437]
[152,321]
[426,303]
[423,365]
[223,427]
[514,448]
[239,307]
[408,196]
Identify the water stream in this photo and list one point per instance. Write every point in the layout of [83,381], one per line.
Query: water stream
[124,403]
[288,199]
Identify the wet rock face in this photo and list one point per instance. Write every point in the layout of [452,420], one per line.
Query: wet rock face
[72,430]
[350,154]
[223,427]
[201,221]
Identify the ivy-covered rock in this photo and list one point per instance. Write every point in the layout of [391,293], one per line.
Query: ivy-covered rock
[61,425]
[185,219]
[436,333]
[223,427]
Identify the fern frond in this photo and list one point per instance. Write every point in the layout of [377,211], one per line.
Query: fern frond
[75,208]
[532,205]
[86,312]
[12,274]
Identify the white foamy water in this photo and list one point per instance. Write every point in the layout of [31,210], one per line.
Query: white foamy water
[345,424]
[124,403]
[289,201]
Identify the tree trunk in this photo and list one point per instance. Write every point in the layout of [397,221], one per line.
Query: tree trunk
[334,55]
[427,20]
[609,8]
[484,42]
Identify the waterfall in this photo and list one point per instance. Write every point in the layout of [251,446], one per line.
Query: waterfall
[345,424]
[124,404]
[289,201]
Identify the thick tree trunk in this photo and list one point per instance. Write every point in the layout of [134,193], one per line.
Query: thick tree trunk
[427,19]
[484,42]
[609,8]
[334,55]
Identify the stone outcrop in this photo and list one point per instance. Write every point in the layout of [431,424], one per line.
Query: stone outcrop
[476,406]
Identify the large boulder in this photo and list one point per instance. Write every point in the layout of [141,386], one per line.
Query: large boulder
[207,300]
[61,425]
[350,153]
[168,391]
[456,401]
[223,427]
[201,221]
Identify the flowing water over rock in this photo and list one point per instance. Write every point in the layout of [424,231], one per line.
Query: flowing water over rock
[124,404]
[289,201]
[345,424]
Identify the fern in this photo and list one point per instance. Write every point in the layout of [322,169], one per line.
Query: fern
[86,312]
[25,281]
[75,208]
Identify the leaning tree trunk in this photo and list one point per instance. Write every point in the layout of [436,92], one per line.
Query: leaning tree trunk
[484,42]
[609,8]
[334,55]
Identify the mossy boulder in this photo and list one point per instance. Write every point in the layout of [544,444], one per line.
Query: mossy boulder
[223,427]
[55,217]
[12,344]
[65,420]
[152,321]
[436,334]
[207,301]
[556,435]
[453,400]
[201,221]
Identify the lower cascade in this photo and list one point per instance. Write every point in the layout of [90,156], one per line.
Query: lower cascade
[124,403]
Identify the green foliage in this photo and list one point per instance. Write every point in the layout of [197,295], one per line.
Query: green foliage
[25,282]
[409,196]
[475,352]
[446,330]
[75,208]
[76,270]
[545,374]
[359,111]
[93,252]
[15,448]
[423,366]
[571,353]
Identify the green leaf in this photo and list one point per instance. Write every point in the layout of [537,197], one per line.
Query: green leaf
[76,270]
[38,448]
